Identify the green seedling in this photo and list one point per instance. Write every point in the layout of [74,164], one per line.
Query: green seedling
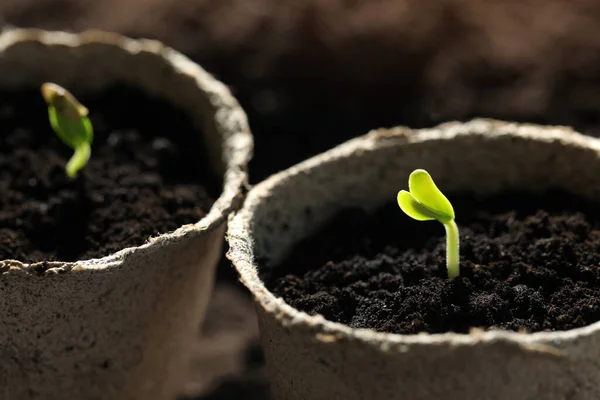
[425,202]
[69,120]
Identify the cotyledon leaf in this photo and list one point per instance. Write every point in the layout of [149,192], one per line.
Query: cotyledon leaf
[73,132]
[413,208]
[425,191]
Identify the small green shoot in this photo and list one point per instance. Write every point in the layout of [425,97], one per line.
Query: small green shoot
[69,120]
[425,202]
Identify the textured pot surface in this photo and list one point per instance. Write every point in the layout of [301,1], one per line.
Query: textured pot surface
[310,358]
[118,327]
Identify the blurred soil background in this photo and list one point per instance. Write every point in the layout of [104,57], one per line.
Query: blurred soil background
[313,73]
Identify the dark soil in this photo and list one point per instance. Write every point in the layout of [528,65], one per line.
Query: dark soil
[533,267]
[145,177]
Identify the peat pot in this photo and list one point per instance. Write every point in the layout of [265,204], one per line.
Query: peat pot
[120,325]
[310,357]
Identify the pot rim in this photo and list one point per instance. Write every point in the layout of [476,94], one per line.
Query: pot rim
[241,252]
[239,144]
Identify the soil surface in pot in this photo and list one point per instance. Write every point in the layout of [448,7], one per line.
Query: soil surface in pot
[146,176]
[528,262]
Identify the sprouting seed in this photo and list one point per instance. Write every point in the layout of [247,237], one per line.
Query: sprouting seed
[425,202]
[69,120]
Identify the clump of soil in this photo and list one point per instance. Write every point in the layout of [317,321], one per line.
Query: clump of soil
[146,176]
[528,262]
